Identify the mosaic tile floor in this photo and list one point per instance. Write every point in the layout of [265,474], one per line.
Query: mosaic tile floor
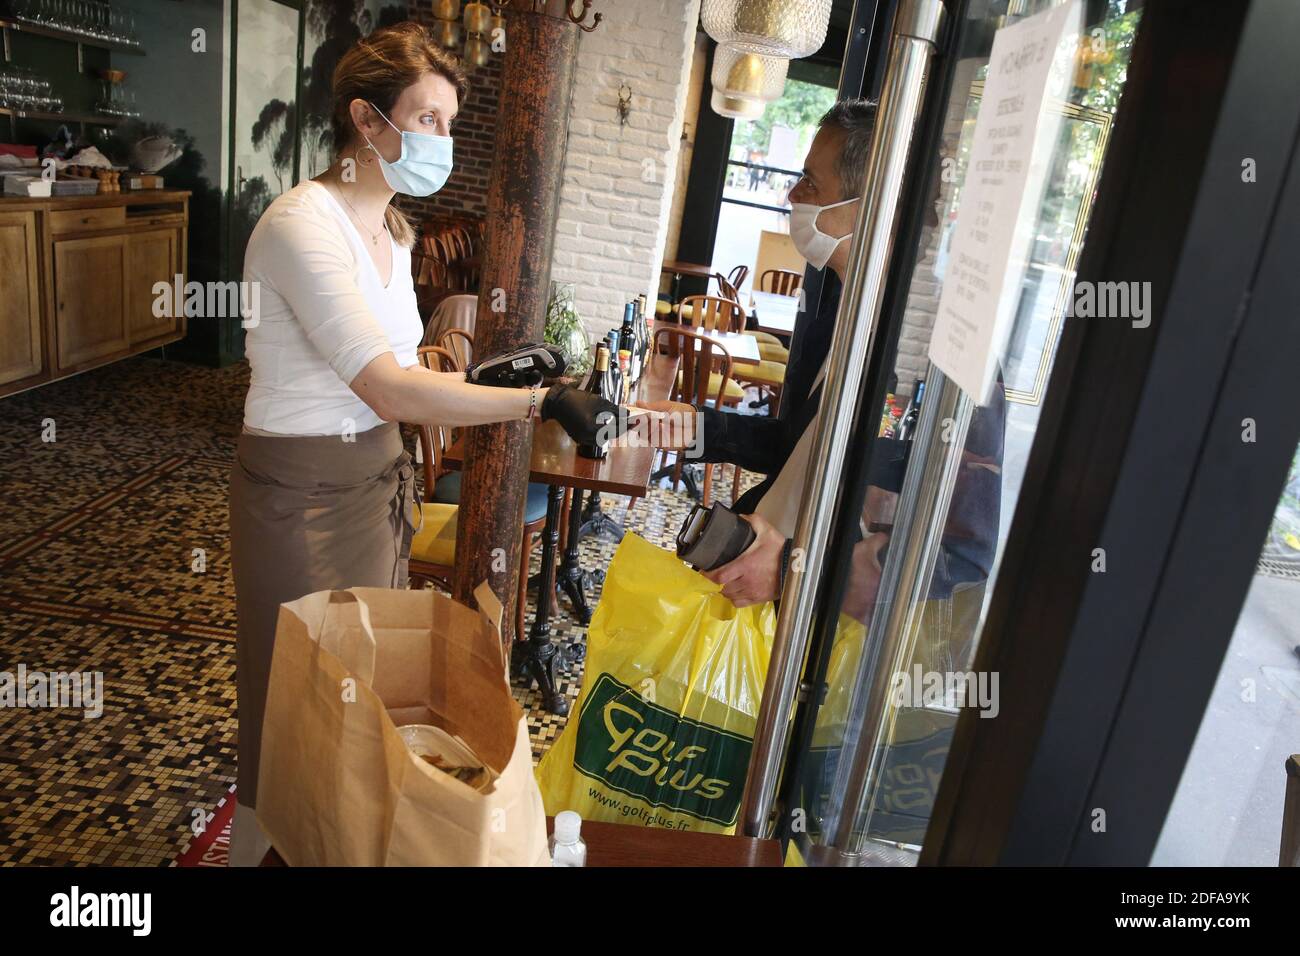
[114,558]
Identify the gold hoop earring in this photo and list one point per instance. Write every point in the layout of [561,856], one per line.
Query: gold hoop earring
[365,162]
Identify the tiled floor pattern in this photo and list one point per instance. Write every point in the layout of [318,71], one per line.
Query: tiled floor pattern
[114,558]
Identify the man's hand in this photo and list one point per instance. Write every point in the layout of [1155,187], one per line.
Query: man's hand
[755,576]
[673,429]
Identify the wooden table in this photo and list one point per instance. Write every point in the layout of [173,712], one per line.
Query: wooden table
[742,348]
[678,269]
[617,844]
[776,314]
[555,462]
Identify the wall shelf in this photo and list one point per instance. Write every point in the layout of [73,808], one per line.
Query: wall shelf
[36,29]
[92,119]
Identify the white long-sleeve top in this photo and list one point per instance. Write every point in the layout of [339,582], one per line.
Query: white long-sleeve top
[324,314]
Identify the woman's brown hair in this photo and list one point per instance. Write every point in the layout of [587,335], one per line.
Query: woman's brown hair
[376,69]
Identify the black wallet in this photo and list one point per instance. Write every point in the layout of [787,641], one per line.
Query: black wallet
[712,536]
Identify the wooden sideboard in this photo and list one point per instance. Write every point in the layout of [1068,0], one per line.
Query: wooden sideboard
[77,279]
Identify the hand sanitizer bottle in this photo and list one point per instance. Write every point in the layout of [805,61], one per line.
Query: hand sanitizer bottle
[567,848]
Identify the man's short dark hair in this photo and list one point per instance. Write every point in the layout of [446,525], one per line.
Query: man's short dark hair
[857,118]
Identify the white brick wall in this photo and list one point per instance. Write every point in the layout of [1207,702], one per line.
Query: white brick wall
[616,197]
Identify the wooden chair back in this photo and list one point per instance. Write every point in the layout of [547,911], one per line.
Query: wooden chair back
[460,344]
[735,279]
[434,439]
[713,313]
[697,356]
[780,281]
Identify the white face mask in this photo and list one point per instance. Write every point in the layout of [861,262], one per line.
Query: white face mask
[811,243]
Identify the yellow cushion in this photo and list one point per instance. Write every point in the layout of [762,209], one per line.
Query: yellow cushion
[435,542]
[732,392]
[767,337]
[764,373]
[774,353]
[663,308]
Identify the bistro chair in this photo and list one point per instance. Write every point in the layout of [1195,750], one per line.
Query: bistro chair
[460,344]
[433,549]
[770,348]
[429,275]
[729,285]
[717,314]
[770,373]
[712,313]
[458,311]
[780,282]
[703,377]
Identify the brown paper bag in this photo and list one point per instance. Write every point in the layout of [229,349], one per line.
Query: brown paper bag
[338,787]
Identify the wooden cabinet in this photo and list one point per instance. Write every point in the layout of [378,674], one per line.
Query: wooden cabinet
[89,300]
[77,278]
[22,346]
[151,257]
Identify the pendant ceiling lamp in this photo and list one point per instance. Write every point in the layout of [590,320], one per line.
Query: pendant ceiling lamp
[735,107]
[739,74]
[785,28]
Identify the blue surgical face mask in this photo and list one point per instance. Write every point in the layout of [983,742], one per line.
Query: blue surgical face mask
[424,165]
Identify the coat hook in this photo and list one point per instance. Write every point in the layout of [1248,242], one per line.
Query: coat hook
[624,103]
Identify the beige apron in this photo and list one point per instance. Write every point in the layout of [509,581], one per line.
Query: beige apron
[308,513]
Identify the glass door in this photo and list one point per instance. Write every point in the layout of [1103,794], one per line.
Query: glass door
[1015,161]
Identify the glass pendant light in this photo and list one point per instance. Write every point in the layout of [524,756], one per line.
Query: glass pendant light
[740,74]
[735,107]
[784,28]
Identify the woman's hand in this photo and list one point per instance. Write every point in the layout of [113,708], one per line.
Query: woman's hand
[755,576]
[589,419]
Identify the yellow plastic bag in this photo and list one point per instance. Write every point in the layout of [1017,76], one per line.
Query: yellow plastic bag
[663,729]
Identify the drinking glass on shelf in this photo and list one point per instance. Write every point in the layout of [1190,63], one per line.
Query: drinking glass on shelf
[61,14]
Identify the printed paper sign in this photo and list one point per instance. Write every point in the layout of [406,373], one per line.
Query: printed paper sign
[1015,134]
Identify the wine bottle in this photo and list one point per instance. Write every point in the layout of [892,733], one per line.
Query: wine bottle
[615,374]
[913,415]
[600,384]
[643,330]
[624,366]
[627,340]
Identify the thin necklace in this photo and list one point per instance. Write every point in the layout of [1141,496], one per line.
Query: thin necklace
[374,236]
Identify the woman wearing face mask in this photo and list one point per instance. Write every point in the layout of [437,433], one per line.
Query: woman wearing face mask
[322,491]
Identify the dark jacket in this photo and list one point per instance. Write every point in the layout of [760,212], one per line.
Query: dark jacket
[761,443]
